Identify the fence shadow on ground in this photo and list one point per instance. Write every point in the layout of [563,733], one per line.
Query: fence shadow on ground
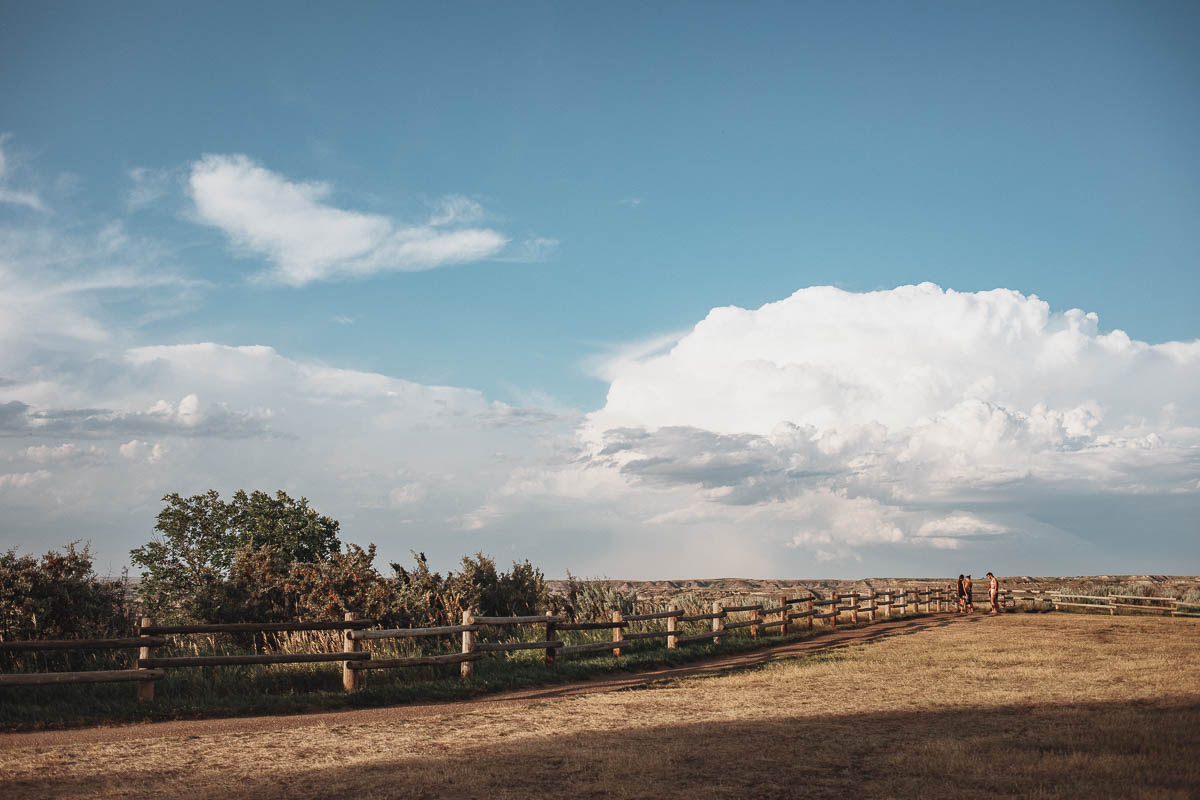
[1130,749]
[724,664]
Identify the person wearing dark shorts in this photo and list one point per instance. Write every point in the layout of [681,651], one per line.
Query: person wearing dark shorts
[962,596]
[970,595]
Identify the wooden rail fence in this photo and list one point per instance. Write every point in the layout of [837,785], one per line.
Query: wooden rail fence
[1113,603]
[357,633]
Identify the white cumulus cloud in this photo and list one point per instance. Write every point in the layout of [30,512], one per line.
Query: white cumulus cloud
[308,239]
[21,480]
[138,450]
[916,416]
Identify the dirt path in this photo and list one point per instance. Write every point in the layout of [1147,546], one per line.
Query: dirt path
[605,683]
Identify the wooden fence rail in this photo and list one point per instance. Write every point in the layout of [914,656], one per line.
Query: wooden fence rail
[128,643]
[1168,606]
[90,676]
[357,633]
[256,627]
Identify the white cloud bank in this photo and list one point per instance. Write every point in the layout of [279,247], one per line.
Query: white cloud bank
[844,424]
[307,239]
[901,358]
[146,421]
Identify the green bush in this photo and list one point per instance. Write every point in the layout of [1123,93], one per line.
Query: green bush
[59,597]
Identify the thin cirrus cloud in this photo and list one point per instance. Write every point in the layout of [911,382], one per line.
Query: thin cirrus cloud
[10,194]
[306,239]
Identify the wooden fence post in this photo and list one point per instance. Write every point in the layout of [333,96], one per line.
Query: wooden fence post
[833,609]
[550,651]
[854,607]
[783,615]
[754,627]
[350,676]
[872,597]
[812,609]
[718,621]
[467,668]
[145,689]
[618,634]
[672,627]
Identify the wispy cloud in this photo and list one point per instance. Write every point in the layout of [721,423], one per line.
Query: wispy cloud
[8,193]
[146,186]
[532,250]
[307,239]
[455,209]
[631,202]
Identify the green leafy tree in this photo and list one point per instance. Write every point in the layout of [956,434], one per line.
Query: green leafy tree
[190,564]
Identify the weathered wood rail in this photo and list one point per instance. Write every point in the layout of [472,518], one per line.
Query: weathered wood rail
[1111,604]
[147,669]
[780,614]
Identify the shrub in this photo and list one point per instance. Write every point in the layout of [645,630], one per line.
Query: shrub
[60,597]
[343,582]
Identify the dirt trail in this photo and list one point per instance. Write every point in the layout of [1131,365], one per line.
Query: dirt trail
[605,683]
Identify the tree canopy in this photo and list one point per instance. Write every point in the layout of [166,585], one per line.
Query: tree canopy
[199,540]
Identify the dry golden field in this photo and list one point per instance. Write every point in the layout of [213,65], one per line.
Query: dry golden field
[1029,705]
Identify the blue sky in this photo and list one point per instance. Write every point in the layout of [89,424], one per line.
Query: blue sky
[619,171]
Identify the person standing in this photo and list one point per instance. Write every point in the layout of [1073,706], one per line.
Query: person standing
[970,595]
[962,595]
[993,594]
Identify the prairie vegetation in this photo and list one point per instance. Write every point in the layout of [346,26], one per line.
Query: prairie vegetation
[1020,705]
[291,688]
